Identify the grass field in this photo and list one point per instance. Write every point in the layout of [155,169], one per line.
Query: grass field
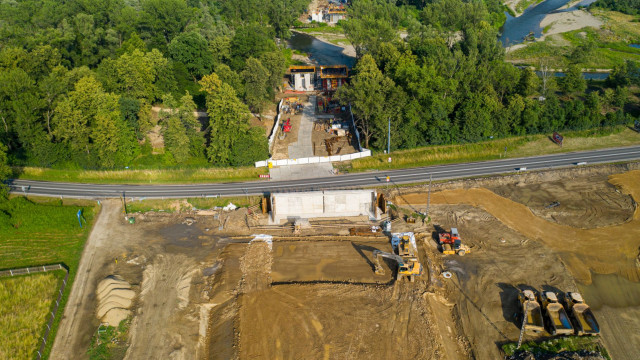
[558,344]
[44,231]
[25,303]
[489,150]
[323,28]
[169,176]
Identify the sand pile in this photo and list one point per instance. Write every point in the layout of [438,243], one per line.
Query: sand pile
[115,298]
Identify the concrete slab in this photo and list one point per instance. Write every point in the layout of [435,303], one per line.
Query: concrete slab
[303,147]
[307,171]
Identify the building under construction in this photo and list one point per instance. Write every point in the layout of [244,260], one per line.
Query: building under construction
[318,78]
[319,204]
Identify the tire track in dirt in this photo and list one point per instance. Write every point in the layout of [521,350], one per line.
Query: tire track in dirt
[586,249]
[73,336]
[161,299]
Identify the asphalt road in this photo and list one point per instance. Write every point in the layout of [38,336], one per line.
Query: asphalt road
[376,178]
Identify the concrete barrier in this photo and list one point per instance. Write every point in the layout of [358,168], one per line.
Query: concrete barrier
[314,159]
[272,136]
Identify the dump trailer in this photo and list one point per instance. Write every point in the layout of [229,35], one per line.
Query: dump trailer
[559,322]
[408,266]
[531,311]
[584,320]
[404,244]
[451,244]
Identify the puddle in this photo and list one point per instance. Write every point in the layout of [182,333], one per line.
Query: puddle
[611,290]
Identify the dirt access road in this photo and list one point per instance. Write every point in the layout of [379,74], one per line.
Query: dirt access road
[161,258]
[73,334]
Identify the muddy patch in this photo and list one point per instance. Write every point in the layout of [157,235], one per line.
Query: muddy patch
[581,203]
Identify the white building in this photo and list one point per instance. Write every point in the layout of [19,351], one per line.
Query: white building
[323,204]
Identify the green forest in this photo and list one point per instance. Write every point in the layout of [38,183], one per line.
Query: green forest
[79,79]
[447,81]
[631,7]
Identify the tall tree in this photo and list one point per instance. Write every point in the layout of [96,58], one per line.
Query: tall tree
[256,79]
[192,50]
[369,94]
[573,81]
[228,118]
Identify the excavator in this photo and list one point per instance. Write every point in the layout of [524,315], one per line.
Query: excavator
[408,266]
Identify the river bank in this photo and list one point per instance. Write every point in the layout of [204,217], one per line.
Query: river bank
[594,39]
[333,39]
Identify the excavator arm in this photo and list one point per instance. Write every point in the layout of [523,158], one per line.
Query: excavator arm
[377,254]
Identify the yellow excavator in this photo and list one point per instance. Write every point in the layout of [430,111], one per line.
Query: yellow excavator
[408,266]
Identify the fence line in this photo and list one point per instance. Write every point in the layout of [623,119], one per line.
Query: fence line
[40,269]
[272,137]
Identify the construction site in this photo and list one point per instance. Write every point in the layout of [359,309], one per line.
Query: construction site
[313,125]
[454,270]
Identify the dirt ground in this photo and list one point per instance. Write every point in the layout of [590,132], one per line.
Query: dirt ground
[514,245]
[206,293]
[281,147]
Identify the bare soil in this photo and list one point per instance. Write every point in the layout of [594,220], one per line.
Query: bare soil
[517,247]
[216,294]
[281,147]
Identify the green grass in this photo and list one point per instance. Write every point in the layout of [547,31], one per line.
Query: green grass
[167,176]
[524,4]
[42,232]
[110,342]
[432,155]
[324,29]
[172,205]
[559,344]
[25,303]
[489,150]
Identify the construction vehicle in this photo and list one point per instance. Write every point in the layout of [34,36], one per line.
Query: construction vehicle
[451,244]
[405,254]
[584,321]
[531,311]
[559,322]
[408,266]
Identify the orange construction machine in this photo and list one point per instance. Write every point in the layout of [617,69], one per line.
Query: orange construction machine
[451,244]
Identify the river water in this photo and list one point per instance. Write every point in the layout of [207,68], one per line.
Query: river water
[515,29]
[320,52]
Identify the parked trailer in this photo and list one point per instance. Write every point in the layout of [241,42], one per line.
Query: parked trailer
[531,311]
[584,320]
[559,322]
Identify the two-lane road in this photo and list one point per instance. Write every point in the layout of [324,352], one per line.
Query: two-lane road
[376,178]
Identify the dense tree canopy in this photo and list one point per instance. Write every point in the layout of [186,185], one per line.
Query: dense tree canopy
[447,81]
[79,79]
[631,7]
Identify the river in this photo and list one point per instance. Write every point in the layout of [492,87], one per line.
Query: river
[515,29]
[320,52]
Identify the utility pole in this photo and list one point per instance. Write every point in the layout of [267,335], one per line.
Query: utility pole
[429,196]
[389,139]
